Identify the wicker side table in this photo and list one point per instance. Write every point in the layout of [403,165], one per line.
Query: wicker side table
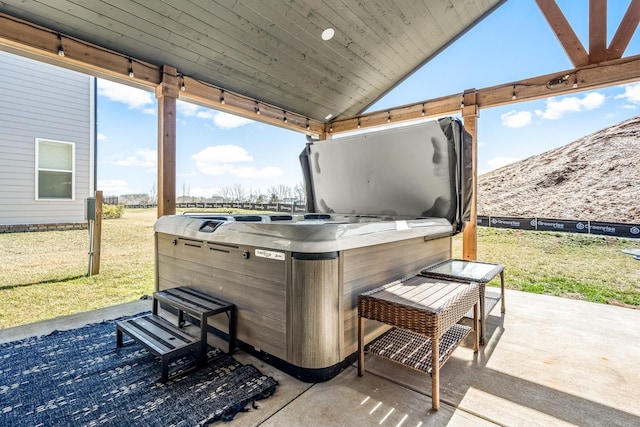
[425,312]
[470,271]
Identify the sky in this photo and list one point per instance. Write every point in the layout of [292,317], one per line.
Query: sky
[217,150]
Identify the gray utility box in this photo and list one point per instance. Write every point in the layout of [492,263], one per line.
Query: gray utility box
[90,209]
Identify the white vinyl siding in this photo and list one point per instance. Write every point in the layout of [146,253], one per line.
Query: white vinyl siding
[43,102]
[55,165]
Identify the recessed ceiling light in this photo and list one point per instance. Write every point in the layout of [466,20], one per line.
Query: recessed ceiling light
[328,116]
[328,34]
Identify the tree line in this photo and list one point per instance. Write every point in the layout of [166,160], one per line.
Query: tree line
[235,193]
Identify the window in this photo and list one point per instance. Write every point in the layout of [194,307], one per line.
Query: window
[55,164]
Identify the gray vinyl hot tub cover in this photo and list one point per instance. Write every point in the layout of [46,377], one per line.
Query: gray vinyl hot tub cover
[421,170]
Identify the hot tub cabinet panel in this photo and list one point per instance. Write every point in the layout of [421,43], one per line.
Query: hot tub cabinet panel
[313,324]
[299,307]
[257,286]
[370,267]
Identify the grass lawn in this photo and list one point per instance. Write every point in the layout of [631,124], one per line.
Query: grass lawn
[43,275]
[590,268]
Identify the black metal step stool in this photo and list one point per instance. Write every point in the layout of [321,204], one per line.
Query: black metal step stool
[166,340]
[159,336]
[200,306]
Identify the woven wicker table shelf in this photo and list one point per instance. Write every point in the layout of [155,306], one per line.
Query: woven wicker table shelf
[425,312]
[414,350]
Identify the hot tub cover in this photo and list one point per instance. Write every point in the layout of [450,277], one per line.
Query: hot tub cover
[417,171]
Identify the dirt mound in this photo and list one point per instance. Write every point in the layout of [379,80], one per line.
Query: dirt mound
[595,178]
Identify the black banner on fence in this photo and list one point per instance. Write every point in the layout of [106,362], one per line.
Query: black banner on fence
[510,222]
[483,221]
[615,229]
[570,226]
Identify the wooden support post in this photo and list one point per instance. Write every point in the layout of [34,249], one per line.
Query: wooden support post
[470,115]
[167,93]
[97,235]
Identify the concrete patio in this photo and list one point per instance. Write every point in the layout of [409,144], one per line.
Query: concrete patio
[548,361]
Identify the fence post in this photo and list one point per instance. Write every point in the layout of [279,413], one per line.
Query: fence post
[97,235]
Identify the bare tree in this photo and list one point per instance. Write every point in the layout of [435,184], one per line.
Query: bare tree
[238,193]
[153,194]
[225,193]
[300,193]
[253,195]
[278,193]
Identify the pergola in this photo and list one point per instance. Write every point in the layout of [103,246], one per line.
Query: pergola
[266,60]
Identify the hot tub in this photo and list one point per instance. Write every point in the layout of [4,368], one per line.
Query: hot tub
[381,206]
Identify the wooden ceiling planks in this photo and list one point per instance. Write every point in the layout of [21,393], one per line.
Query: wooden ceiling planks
[271,50]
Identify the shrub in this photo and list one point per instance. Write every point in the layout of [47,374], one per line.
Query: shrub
[112,211]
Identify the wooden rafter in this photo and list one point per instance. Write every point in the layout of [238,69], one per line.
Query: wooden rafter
[566,36]
[597,31]
[625,31]
[598,50]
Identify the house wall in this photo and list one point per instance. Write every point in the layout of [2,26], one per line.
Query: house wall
[47,102]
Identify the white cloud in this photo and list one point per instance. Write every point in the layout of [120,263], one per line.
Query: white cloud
[213,169]
[220,119]
[114,187]
[251,172]
[556,108]
[516,119]
[134,98]
[223,159]
[223,120]
[631,93]
[186,108]
[101,137]
[142,158]
[223,154]
[498,162]
[229,121]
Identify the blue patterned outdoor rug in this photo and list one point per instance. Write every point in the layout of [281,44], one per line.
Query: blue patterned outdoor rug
[79,377]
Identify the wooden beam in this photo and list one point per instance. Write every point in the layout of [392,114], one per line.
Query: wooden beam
[213,97]
[37,42]
[597,31]
[589,77]
[470,114]
[30,40]
[435,107]
[625,31]
[563,31]
[167,94]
